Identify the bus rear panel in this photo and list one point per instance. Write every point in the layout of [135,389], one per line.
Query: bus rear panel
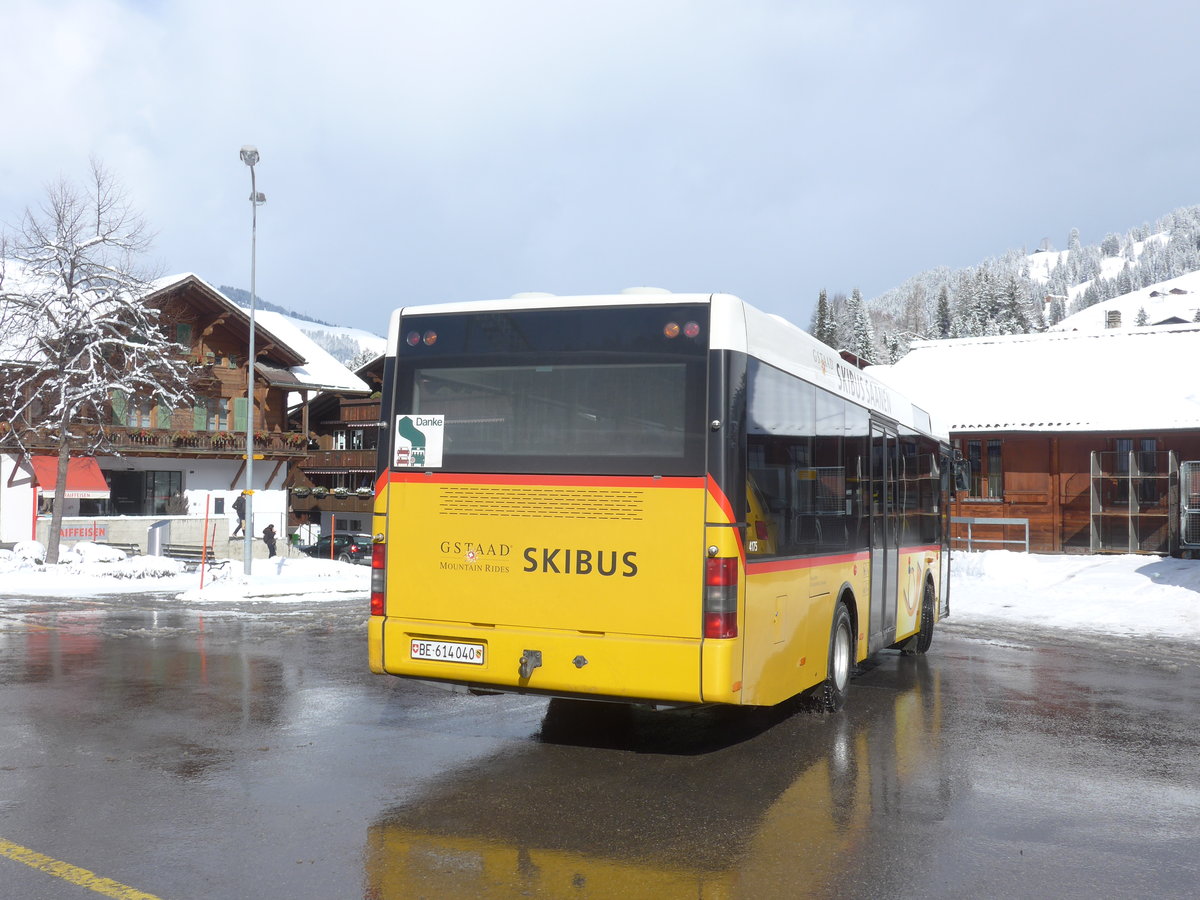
[544,502]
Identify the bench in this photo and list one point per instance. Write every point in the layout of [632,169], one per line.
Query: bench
[188,551]
[130,549]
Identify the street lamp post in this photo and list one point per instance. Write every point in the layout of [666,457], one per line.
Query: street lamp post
[250,157]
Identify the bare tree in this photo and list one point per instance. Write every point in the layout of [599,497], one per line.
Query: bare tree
[75,327]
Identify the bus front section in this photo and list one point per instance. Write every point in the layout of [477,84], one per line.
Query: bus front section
[543,500]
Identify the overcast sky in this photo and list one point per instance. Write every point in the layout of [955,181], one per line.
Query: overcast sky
[417,152]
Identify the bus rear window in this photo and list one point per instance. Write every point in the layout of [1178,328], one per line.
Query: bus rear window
[633,410]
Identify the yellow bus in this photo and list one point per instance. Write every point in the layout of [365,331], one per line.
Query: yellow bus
[646,497]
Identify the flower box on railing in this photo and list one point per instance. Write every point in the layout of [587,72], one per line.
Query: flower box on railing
[300,491]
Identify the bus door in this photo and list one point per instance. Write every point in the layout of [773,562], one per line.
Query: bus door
[952,472]
[885,534]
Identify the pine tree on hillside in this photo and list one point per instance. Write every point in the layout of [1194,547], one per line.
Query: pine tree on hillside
[944,319]
[1011,318]
[1036,312]
[1057,311]
[824,329]
[1142,318]
[862,335]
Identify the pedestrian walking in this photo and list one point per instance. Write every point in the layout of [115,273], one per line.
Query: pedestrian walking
[269,540]
[239,507]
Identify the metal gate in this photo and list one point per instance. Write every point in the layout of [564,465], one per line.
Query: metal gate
[1135,501]
[1189,505]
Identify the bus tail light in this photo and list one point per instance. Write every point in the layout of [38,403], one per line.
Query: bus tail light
[378,572]
[720,597]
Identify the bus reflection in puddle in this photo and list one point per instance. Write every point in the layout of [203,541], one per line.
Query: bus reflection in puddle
[699,804]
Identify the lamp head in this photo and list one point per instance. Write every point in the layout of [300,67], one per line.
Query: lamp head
[249,155]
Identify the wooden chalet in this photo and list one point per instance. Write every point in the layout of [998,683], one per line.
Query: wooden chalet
[333,487]
[187,462]
[1080,437]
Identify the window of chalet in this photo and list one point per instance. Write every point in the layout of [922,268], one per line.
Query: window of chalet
[339,440]
[217,418]
[987,471]
[137,412]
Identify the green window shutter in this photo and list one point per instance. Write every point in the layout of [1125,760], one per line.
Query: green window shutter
[119,406]
[183,334]
[163,413]
[199,418]
[239,413]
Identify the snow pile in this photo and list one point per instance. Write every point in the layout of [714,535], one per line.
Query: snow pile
[84,560]
[282,580]
[89,552]
[29,551]
[1118,595]
[92,569]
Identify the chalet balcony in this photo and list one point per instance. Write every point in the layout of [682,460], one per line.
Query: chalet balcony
[174,442]
[360,410]
[329,461]
[336,502]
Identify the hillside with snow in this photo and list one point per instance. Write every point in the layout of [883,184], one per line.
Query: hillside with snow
[1173,301]
[351,347]
[1146,269]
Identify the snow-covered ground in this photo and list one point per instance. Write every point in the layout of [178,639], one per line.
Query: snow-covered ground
[1144,596]
[1098,595]
[89,569]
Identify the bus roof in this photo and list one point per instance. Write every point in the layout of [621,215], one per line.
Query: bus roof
[735,325]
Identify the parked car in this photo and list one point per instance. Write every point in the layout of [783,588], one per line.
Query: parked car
[347,547]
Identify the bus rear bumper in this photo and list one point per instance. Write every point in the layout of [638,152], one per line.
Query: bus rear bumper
[634,667]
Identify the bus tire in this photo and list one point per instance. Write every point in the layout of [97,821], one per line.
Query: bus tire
[919,642]
[833,691]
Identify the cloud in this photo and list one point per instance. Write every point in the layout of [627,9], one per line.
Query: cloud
[419,151]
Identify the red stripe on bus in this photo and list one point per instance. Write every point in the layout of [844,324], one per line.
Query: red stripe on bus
[721,500]
[726,507]
[638,481]
[809,562]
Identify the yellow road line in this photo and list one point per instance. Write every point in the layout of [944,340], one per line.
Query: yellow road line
[73,874]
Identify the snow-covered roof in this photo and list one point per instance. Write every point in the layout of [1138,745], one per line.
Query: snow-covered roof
[1137,379]
[318,372]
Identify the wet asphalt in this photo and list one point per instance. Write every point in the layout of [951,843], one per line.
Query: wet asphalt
[246,751]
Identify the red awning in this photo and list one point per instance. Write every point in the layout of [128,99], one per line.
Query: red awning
[85,481]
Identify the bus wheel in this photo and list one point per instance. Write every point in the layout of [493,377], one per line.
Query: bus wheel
[841,659]
[920,641]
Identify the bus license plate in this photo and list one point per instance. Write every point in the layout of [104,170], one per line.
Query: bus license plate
[447,651]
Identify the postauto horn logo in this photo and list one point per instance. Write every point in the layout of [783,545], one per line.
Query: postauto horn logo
[418,441]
